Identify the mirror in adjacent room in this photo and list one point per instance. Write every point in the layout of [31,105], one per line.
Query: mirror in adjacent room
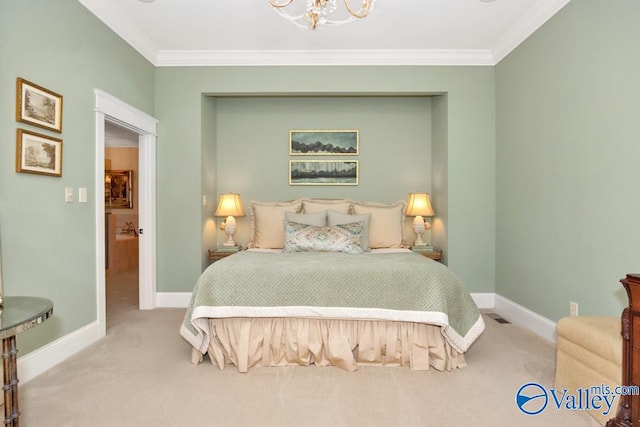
[118,189]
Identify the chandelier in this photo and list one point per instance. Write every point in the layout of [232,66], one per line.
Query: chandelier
[320,12]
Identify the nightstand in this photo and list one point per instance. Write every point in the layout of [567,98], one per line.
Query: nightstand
[218,255]
[434,254]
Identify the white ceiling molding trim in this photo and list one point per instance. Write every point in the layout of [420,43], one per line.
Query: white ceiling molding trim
[326,57]
[522,29]
[123,27]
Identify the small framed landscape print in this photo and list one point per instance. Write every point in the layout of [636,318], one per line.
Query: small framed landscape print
[39,154]
[38,106]
[323,172]
[324,142]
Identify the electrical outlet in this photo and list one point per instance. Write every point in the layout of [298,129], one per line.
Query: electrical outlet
[573,308]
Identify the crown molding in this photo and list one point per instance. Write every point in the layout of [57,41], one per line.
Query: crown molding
[130,33]
[523,29]
[123,27]
[324,57]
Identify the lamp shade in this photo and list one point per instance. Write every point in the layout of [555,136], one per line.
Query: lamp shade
[229,204]
[419,204]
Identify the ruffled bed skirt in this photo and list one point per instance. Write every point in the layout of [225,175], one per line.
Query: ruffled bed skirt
[248,342]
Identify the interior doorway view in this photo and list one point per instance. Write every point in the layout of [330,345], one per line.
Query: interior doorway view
[122,224]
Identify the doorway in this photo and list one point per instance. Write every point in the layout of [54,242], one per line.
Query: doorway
[111,111]
[121,221]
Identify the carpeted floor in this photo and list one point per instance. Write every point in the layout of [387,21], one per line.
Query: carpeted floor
[141,375]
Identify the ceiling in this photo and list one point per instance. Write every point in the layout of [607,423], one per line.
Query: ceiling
[396,32]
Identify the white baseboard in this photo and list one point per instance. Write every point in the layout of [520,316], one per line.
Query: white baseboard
[525,318]
[484,300]
[38,361]
[173,299]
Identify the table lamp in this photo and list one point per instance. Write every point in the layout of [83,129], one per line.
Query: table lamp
[419,206]
[229,206]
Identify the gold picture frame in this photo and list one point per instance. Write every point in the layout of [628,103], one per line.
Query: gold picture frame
[324,142]
[323,172]
[118,189]
[38,154]
[38,106]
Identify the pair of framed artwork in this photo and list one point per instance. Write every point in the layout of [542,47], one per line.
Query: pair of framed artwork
[35,152]
[323,143]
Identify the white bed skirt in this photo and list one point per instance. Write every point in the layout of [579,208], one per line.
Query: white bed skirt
[249,342]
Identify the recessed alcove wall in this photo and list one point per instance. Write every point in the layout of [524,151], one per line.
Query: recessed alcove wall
[462,155]
[252,147]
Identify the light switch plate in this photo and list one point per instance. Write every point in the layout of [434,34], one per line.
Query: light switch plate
[68,194]
[82,195]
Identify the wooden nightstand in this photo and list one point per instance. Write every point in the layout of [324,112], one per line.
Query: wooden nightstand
[218,255]
[434,254]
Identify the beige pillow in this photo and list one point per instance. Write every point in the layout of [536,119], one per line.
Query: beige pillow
[317,205]
[267,231]
[386,224]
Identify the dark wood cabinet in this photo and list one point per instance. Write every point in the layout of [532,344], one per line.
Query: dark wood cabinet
[629,407]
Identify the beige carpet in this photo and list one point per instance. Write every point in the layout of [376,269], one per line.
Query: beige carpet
[141,375]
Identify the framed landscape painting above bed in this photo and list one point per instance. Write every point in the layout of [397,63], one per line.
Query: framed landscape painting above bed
[323,172]
[324,142]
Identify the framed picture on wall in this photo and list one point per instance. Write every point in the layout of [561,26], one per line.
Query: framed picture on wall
[324,142]
[38,106]
[323,172]
[39,154]
[118,189]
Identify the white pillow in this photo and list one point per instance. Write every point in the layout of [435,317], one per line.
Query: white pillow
[319,219]
[338,218]
[386,224]
[309,238]
[267,231]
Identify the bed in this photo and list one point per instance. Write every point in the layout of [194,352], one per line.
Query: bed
[344,295]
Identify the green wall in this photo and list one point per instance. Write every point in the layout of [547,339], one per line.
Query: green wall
[48,246]
[469,150]
[253,147]
[567,156]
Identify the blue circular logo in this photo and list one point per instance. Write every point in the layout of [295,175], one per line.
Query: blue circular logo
[532,398]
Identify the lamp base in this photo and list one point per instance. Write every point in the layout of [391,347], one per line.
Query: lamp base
[230,230]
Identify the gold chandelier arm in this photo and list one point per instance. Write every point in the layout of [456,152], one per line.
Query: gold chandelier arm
[279,5]
[366,5]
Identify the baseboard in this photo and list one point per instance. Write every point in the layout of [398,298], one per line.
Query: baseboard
[525,318]
[173,299]
[485,300]
[38,361]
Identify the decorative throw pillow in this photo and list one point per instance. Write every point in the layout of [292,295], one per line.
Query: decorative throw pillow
[318,219]
[267,231]
[315,205]
[339,218]
[309,238]
[386,225]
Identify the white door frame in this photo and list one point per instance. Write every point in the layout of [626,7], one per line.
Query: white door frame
[116,111]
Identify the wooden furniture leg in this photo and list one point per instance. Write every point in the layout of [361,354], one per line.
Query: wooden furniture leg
[10,385]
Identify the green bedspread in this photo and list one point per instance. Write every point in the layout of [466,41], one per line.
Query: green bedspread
[400,286]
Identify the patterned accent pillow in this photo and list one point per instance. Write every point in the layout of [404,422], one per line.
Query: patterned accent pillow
[310,238]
